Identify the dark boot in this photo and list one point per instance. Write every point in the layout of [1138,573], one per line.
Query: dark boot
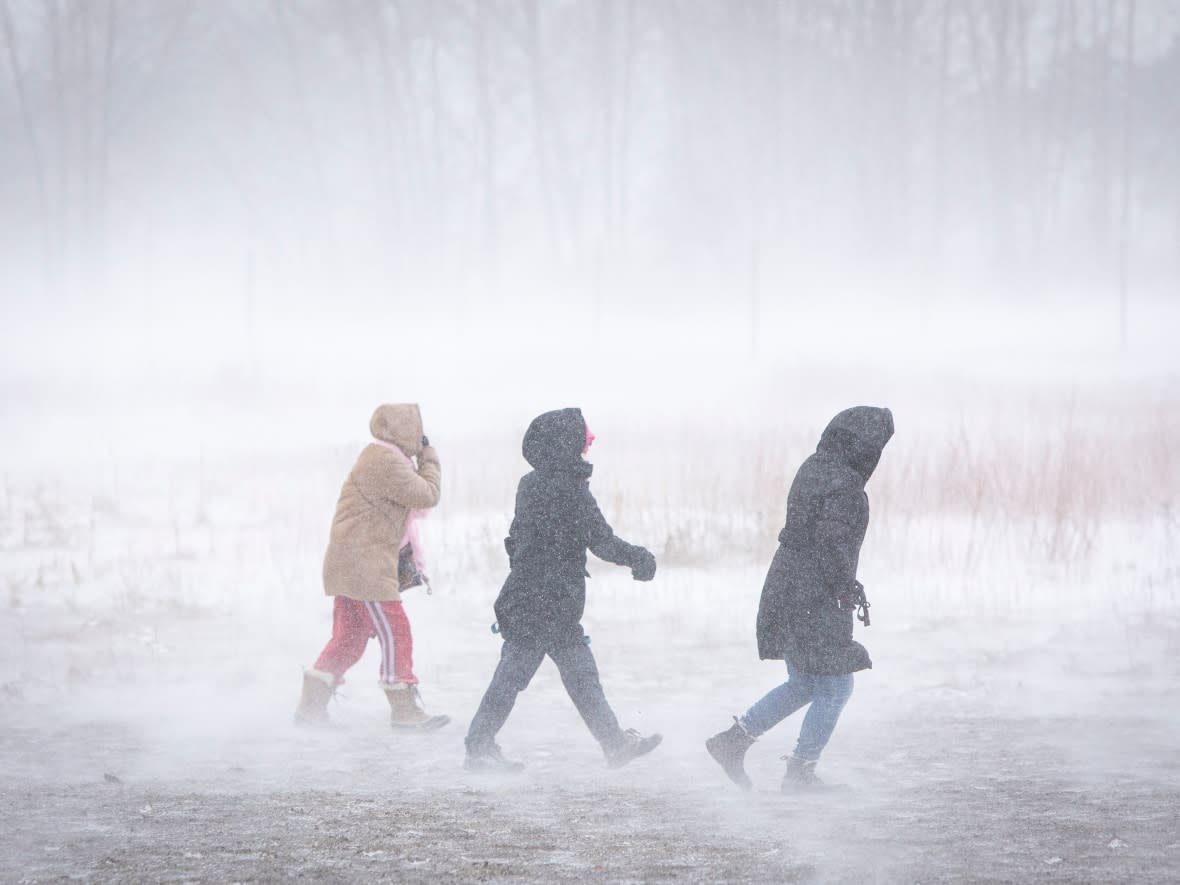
[318,688]
[729,749]
[633,746]
[800,776]
[488,759]
[405,709]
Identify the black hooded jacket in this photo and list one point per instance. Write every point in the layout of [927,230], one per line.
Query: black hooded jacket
[819,547]
[556,521]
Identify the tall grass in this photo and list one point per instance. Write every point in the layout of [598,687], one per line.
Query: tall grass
[1034,491]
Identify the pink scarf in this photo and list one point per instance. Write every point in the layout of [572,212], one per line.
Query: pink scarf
[411,535]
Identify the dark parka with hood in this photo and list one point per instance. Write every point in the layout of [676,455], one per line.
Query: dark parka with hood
[799,619]
[556,521]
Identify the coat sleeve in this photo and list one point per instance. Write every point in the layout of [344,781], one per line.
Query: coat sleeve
[513,542]
[396,481]
[836,542]
[601,538]
[773,610]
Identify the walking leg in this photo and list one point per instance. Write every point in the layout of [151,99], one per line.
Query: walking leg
[518,664]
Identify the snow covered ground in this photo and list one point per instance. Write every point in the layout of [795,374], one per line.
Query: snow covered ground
[1021,721]
[154,742]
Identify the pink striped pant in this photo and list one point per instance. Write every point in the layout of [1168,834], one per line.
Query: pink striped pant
[354,623]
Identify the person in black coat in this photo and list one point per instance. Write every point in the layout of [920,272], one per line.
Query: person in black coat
[539,609]
[805,616]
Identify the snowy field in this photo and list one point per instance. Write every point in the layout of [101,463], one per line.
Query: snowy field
[230,230]
[1021,722]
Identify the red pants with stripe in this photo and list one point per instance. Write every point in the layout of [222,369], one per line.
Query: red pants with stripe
[354,623]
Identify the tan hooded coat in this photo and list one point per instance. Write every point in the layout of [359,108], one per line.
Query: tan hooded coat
[370,521]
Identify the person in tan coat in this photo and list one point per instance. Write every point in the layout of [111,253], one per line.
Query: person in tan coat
[373,554]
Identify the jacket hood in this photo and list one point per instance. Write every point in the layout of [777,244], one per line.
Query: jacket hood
[857,437]
[400,424]
[555,440]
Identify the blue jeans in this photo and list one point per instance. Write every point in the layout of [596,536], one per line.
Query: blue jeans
[827,696]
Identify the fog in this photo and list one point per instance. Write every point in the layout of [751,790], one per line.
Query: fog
[210,183]
[229,230]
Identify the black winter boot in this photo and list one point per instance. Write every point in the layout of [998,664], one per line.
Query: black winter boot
[488,759]
[633,746]
[729,749]
[801,776]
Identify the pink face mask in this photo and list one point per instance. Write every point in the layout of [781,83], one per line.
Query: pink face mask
[589,439]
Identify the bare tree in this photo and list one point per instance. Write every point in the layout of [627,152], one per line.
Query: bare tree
[36,154]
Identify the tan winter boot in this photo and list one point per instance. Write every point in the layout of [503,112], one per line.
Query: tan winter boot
[405,709]
[318,688]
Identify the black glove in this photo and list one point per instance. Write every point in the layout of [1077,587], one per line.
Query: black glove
[425,441]
[644,567]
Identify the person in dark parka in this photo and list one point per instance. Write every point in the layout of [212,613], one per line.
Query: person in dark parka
[805,616]
[539,609]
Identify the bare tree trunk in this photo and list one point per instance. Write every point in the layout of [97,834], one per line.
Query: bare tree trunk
[487,133]
[1100,181]
[440,208]
[622,178]
[390,126]
[541,122]
[411,119]
[605,19]
[103,102]
[61,111]
[1071,133]
[937,227]
[1125,190]
[83,88]
[999,149]
[35,150]
[112,25]
[775,61]
[306,122]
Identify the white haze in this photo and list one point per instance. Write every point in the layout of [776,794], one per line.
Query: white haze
[229,230]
